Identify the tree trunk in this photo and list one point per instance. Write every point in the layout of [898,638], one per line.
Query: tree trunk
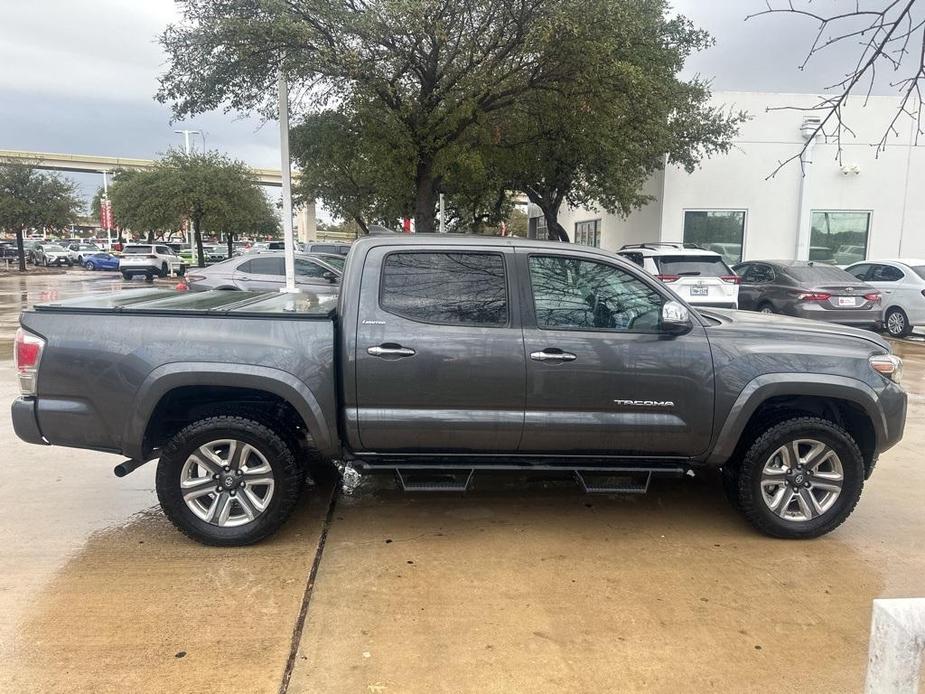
[151,236]
[550,210]
[21,250]
[230,236]
[200,255]
[425,199]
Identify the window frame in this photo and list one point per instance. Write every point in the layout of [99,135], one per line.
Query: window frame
[597,231]
[744,210]
[531,321]
[870,226]
[451,251]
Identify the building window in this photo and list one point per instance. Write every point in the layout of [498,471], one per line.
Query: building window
[721,231]
[839,238]
[588,233]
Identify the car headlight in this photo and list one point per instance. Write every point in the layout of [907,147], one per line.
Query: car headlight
[888,365]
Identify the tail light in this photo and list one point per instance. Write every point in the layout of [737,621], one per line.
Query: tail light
[668,278]
[814,296]
[27,353]
[873,296]
[731,279]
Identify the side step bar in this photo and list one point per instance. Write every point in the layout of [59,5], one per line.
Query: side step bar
[423,478]
[434,480]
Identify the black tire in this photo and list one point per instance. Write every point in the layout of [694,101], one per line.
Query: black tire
[289,480]
[90,266]
[149,277]
[126,276]
[896,323]
[751,502]
[766,307]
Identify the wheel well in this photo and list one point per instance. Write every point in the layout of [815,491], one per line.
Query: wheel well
[186,404]
[844,413]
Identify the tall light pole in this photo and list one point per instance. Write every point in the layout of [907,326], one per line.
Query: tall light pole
[186,141]
[103,203]
[288,240]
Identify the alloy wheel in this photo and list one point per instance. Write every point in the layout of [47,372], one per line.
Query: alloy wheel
[227,483]
[896,323]
[802,480]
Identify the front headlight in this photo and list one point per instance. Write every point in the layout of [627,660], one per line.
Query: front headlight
[888,365]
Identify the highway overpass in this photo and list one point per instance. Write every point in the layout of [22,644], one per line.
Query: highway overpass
[92,163]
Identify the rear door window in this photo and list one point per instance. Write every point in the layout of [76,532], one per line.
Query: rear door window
[446,288]
[266,266]
[885,273]
[692,265]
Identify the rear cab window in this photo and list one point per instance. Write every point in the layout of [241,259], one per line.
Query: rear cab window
[446,288]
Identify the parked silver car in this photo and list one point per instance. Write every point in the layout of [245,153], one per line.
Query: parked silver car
[902,283]
[266,271]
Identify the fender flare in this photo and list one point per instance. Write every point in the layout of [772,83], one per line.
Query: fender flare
[168,377]
[767,386]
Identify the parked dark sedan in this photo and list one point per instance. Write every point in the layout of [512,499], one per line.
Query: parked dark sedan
[266,271]
[807,289]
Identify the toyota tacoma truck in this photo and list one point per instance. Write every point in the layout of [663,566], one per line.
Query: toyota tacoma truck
[448,357]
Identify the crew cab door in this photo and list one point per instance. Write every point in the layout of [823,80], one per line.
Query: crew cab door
[602,376]
[439,351]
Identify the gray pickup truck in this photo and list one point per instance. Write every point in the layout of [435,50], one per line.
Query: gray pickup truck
[448,356]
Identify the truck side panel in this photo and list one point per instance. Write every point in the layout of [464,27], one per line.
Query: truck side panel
[91,394]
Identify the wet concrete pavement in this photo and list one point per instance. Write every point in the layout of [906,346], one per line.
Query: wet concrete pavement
[496,591]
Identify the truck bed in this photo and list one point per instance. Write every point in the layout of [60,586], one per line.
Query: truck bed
[111,359]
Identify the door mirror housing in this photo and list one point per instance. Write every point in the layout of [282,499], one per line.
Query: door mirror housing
[330,277]
[676,319]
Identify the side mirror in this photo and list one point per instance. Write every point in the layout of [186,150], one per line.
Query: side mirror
[676,319]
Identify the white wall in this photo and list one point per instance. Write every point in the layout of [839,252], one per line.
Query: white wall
[891,184]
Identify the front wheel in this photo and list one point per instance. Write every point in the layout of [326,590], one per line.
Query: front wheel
[228,481]
[89,265]
[800,478]
[126,276]
[897,323]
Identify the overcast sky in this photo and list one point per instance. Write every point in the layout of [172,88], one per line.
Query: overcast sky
[78,76]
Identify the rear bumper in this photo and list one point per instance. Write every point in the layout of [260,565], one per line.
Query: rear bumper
[859,318]
[25,422]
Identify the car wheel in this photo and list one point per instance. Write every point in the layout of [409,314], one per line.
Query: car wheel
[149,277]
[897,323]
[766,308]
[228,481]
[126,276]
[89,265]
[801,478]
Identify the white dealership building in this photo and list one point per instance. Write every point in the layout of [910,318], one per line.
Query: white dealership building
[871,205]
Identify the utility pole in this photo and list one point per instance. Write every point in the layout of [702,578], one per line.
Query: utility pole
[288,240]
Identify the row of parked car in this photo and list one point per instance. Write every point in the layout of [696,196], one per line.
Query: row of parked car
[888,294]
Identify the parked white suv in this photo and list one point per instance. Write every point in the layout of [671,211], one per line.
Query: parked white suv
[902,284]
[150,260]
[702,278]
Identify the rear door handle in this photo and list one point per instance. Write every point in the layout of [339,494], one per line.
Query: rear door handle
[553,356]
[390,351]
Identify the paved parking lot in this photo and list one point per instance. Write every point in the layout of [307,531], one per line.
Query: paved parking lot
[500,590]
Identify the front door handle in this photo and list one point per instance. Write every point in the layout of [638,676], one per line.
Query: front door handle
[553,355]
[389,350]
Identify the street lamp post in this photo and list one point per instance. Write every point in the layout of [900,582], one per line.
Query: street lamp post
[186,138]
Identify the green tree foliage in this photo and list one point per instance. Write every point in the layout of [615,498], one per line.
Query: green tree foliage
[595,139]
[212,191]
[431,69]
[354,166]
[31,199]
[573,100]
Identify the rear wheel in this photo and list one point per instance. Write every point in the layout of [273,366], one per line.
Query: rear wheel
[801,478]
[89,265]
[126,276]
[897,323]
[228,481]
[766,308]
